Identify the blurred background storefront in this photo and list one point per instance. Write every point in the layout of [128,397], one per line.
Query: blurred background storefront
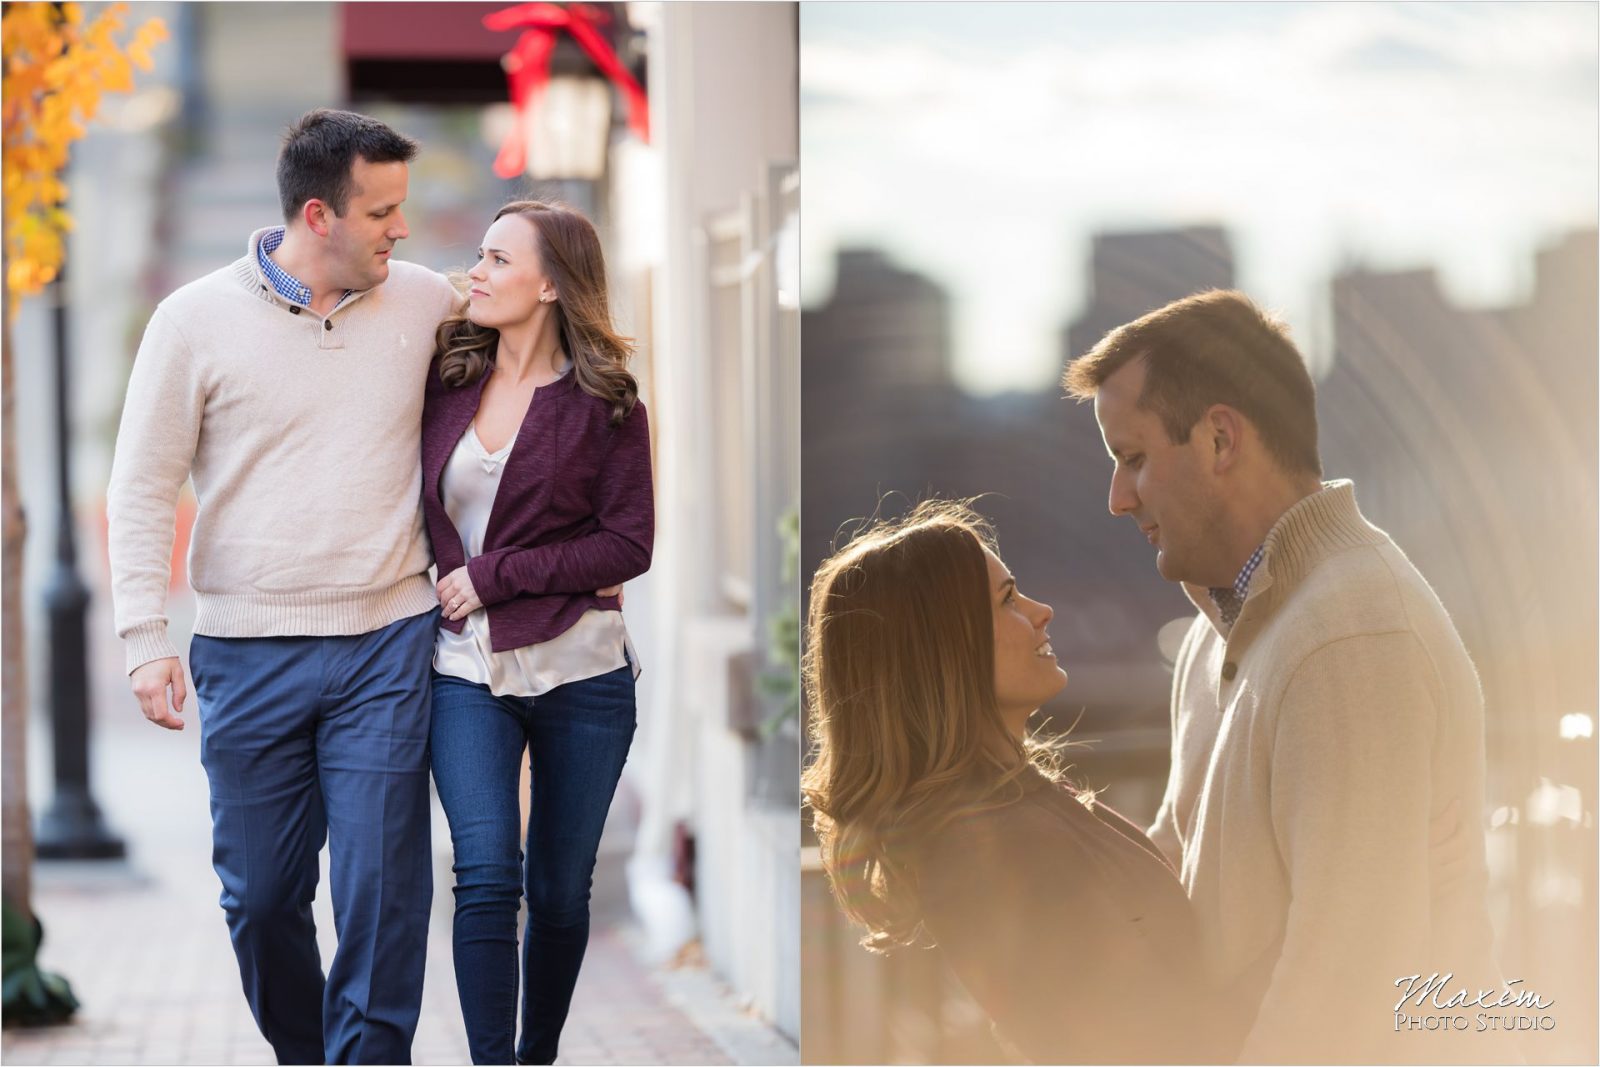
[700,224]
[991,188]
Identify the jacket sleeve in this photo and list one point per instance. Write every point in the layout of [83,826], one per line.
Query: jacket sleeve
[616,550]
[155,448]
[1350,796]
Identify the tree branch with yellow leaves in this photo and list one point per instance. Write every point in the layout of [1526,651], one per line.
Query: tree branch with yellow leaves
[57,66]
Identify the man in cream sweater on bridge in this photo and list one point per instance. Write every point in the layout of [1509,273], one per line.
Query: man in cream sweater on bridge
[1324,710]
[289,385]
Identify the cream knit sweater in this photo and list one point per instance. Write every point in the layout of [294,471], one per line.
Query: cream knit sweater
[1312,743]
[302,435]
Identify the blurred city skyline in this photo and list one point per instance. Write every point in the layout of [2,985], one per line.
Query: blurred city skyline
[1321,137]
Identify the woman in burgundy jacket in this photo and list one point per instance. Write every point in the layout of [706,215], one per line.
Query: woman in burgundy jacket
[537,492]
[942,822]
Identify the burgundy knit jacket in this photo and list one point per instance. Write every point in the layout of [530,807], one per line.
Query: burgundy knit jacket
[575,511]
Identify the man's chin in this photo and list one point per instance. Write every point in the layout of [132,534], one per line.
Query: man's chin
[1170,569]
[1164,567]
[357,283]
[374,273]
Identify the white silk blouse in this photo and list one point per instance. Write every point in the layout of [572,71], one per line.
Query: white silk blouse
[596,644]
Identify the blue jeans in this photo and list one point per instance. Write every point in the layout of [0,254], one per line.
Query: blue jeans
[577,737]
[313,739]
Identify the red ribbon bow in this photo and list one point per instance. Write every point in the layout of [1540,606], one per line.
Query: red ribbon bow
[528,68]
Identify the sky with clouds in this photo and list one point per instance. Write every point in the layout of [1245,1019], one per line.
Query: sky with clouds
[984,144]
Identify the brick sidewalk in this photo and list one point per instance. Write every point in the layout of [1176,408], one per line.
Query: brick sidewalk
[154,970]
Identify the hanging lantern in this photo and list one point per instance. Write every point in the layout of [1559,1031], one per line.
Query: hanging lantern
[567,128]
[563,123]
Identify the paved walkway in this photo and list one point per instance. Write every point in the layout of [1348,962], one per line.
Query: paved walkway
[152,965]
[144,944]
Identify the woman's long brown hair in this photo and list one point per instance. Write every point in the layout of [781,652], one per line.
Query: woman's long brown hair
[899,679]
[570,254]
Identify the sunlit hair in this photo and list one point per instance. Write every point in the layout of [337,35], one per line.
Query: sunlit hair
[1214,347]
[906,734]
[570,255]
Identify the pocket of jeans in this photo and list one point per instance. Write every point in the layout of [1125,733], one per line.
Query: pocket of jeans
[616,694]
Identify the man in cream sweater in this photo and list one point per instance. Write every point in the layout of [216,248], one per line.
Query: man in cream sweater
[1324,711]
[289,386]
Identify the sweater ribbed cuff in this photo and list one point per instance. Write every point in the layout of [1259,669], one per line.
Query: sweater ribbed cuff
[146,643]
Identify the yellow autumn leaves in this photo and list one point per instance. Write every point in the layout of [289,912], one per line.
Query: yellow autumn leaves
[57,65]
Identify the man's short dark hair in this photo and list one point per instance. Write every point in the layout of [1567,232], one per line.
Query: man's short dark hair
[1214,347]
[320,151]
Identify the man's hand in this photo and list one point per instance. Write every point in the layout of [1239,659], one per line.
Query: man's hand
[150,683]
[611,590]
[456,595]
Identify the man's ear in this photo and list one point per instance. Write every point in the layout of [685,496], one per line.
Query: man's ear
[1224,429]
[316,215]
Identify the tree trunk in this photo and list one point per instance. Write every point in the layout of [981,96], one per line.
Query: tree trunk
[15,826]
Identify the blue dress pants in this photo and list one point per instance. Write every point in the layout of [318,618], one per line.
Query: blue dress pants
[313,739]
[577,737]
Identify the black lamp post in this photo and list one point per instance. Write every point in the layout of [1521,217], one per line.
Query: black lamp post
[71,828]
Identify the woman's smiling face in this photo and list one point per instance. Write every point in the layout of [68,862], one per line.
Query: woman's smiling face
[1026,673]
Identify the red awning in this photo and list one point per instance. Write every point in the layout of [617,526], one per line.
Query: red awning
[438,31]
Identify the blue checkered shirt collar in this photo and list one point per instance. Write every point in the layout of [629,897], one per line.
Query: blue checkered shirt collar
[288,286]
[1230,599]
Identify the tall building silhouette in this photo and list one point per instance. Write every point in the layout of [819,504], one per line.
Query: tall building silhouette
[880,403]
[884,328]
[1131,273]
